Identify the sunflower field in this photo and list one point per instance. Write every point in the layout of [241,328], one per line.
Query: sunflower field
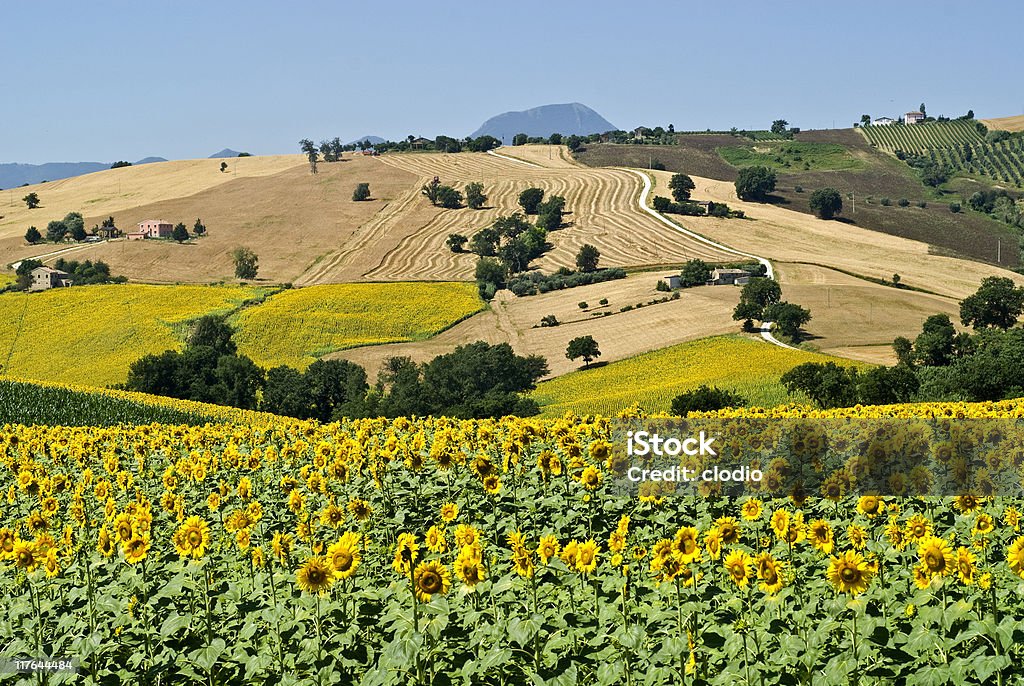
[439,551]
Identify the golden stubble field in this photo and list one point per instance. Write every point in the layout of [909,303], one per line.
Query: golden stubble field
[699,312]
[1015,123]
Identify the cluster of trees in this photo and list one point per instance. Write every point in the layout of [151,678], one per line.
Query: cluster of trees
[761,299]
[826,203]
[705,399]
[931,173]
[440,195]
[940,364]
[328,151]
[549,213]
[474,381]
[84,273]
[1000,205]
[781,127]
[533,283]
[439,144]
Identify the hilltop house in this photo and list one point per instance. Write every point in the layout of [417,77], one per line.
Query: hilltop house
[721,277]
[45,278]
[108,232]
[913,117]
[420,142]
[883,121]
[151,228]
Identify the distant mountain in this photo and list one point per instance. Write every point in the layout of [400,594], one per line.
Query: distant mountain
[14,174]
[150,160]
[226,152]
[372,140]
[567,119]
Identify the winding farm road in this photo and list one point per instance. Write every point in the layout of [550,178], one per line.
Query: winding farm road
[766,327]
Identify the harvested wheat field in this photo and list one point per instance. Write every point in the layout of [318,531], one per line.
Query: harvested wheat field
[788,236]
[855,318]
[289,219]
[699,312]
[1015,123]
[551,156]
[406,240]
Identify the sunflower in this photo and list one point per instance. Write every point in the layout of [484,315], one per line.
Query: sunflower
[728,529]
[685,544]
[769,571]
[258,560]
[751,510]
[492,484]
[547,548]
[435,540]
[1015,557]
[591,478]
[104,544]
[315,575]
[243,539]
[819,533]
[922,578]
[466,535]
[857,536]
[936,556]
[871,506]
[468,566]
[967,503]
[406,553]
[192,537]
[896,534]
[6,544]
[332,516]
[281,545]
[983,525]
[49,507]
[1011,516]
[586,556]
[522,562]
[569,553]
[50,564]
[780,522]
[737,565]
[918,528]
[713,543]
[344,555]
[431,578]
[965,565]
[25,555]
[135,549]
[850,573]
[449,511]
[359,509]
[296,503]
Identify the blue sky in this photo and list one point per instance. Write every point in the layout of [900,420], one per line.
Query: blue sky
[123,80]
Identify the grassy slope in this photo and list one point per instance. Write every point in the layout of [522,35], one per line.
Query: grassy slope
[968,233]
[91,334]
[298,326]
[749,367]
[789,155]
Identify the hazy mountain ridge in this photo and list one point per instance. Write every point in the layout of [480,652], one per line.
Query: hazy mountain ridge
[566,119]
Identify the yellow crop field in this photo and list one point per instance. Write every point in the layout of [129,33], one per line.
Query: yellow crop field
[91,334]
[749,367]
[298,326]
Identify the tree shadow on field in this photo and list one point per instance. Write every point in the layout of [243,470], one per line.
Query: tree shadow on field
[593,365]
[777,200]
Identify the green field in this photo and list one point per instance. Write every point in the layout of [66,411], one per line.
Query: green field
[749,367]
[915,139]
[791,155]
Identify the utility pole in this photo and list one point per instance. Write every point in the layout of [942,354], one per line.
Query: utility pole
[999,250]
[854,202]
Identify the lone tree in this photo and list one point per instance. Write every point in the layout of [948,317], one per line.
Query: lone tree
[179,232]
[32,235]
[755,183]
[56,231]
[449,198]
[32,200]
[587,258]
[789,317]
[246,263]
[695,273]
[199,228]
[530,199]
[826,202]
[362,192]
[475,197]
[456,242]
[312,154]
[223,167]
[997,303]
[779,126]
[756,295]
[681,185]
[585,347]
[430,190]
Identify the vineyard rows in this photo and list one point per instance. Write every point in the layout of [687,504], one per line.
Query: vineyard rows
[956,144]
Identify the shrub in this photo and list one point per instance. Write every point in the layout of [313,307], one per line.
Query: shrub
[549,320]
[922,204]
[903,202]
[362,192]
[582,305]
[603,301]
[885,202]
[798,189]
[662,285]
[954,207]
